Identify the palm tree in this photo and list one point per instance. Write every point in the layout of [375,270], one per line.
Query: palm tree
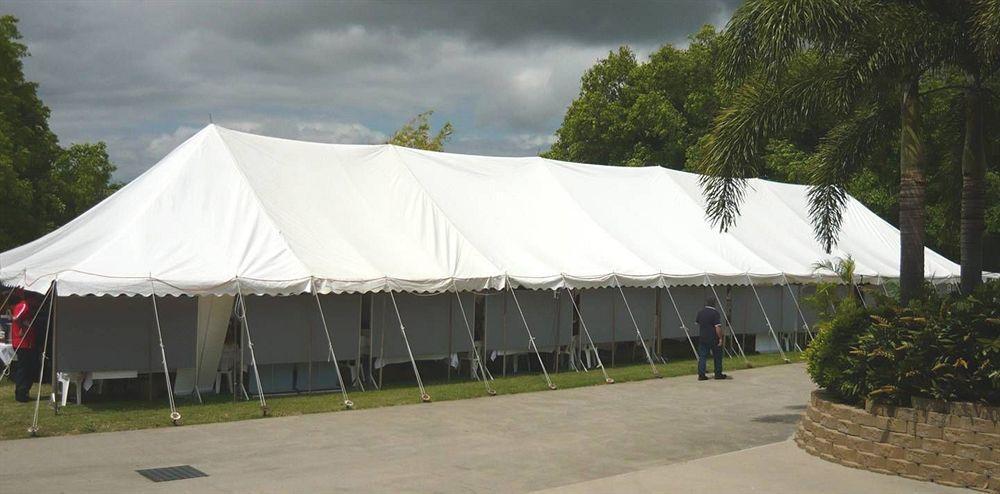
[978,54]
[861,61]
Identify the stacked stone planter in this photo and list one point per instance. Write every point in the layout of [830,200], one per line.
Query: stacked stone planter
[956,444]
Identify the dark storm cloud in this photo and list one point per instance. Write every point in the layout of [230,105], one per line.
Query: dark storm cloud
[144,76]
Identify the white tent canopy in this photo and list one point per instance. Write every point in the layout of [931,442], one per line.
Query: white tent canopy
[228,210]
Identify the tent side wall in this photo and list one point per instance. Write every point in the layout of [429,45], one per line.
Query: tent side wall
[119,333]
[549,315]
[434,326]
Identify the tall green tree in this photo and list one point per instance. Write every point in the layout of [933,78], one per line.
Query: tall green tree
[42,184]
[417,134]
[636,114]
[862,61]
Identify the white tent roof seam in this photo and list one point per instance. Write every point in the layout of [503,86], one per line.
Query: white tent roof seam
[283,216]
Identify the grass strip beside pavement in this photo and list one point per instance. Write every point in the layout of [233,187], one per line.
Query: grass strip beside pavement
[107,416]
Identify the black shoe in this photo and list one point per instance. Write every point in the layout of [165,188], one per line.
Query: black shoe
[22,399]
[702,378]
[722,376]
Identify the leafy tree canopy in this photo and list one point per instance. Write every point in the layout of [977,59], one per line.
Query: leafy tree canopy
[43,184]
[636,113]
[417,134]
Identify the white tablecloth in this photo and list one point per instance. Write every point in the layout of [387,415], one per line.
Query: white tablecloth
[6,353]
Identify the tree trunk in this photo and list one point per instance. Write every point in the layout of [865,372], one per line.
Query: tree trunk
[911,195]
[973,190]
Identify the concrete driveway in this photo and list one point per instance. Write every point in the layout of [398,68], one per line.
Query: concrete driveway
[512,443]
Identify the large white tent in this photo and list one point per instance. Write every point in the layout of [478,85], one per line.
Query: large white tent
[563,257]
[229,211]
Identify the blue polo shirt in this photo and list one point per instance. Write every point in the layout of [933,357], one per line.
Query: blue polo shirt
[707,318]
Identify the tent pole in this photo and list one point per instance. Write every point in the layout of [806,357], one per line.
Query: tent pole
[683,326]
[725,317]
[33,430]
[638,332]
[359,361]
[861,294]
[472,340]
[531,339]
[381,345]
[424,397]
[175,416]
[451,343]
[798,308]
[583,325]
[881,283]
[767,319]
[253,358]
[31,324]
[503,330]
[54,316]
[348,404]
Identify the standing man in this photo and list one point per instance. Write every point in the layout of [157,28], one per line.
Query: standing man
[709,339]
[22,338]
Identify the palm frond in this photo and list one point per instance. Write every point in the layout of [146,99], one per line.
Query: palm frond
[842,151]
[767,34]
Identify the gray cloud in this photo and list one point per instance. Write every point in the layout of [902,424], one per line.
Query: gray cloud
[144,76]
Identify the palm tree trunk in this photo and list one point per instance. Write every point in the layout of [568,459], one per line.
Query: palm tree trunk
[911,195]
[973,190]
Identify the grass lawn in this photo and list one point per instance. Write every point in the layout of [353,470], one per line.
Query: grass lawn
[105,416]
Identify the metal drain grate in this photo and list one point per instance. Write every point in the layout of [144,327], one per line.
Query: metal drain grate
[171,473]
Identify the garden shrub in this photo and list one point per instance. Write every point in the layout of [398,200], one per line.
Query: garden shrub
[943,347]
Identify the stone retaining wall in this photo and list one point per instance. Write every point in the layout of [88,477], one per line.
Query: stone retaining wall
[956,444]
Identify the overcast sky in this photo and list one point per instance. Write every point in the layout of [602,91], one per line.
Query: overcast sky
[144,76]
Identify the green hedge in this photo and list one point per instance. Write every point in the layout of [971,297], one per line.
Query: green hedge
[942,346]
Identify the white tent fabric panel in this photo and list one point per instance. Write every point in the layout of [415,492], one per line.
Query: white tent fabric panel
[690,300]
[119,333]
[289,329]
[228,210]
[433,323]
[214,314]
[549,315]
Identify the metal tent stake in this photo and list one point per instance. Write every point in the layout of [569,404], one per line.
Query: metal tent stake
[728,323]
[683,326]
[531,339]
[33,430]
[583,325]
[242,315]
[472,340]
[424,397]
[175,416]
[649,358]
[805,324]
[767,319]
[348,404]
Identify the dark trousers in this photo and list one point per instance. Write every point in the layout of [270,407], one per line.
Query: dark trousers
[25,372]
[704,348]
